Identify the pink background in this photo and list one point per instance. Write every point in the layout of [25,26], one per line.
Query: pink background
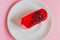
[54,5]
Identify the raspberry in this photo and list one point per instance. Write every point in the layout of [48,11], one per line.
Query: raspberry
[34,18]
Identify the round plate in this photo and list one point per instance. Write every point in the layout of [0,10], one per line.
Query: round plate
[20,9]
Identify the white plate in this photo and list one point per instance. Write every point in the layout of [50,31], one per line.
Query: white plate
[38,32]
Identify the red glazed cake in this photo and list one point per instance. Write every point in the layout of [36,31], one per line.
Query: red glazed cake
[34,18]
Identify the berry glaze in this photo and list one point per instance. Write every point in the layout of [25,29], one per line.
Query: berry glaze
[34,18]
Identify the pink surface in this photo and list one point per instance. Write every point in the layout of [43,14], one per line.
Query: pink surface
[54,5]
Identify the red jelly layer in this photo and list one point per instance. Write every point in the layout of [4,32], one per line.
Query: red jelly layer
[34,18]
